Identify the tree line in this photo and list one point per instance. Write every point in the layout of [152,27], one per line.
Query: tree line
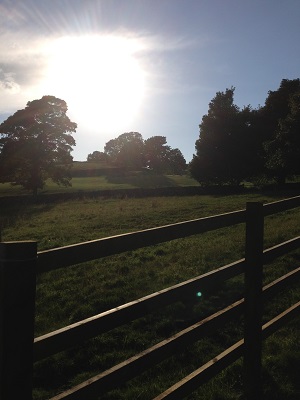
[131,151]
[261,144]
[234,144]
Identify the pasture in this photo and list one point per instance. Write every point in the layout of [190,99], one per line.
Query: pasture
[106,182]
[69,295]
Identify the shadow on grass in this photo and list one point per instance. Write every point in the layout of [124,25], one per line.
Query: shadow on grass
[274,390]
[12,213]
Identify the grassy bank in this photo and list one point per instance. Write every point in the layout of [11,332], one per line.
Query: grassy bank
[68,295]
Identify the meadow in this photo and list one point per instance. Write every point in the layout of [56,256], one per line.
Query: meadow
[106,182]
[71,294]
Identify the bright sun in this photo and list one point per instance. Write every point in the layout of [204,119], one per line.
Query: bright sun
[99,77]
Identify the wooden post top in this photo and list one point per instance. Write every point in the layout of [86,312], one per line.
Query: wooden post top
[17,251]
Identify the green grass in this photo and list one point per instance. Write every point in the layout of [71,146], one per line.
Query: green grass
[68,295]
[130,181]
[67,222]
[84,165]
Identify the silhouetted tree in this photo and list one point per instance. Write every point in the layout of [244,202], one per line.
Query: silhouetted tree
[97,156]
[155,151]
[223,150]
[279,121]
[277,106]
[236,144]
[176,163]
[126,150]
[283,152]
[35,144]
[132,151]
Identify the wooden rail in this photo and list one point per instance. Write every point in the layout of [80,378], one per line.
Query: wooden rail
[223,360]
[152,356]
[19,263]
[74,334]
[95,249]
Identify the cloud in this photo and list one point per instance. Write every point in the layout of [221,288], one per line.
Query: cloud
[7,82]
[22,62]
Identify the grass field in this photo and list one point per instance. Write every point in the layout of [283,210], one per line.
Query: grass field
[132,180]
[68,295]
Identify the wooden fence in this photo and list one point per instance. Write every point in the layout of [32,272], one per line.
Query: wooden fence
[20,262]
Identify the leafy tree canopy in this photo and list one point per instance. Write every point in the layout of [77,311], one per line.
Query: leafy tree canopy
[156,151]
[35,144]
[130,150]
[176,162]
[224,136]
[283,151]
[126,150]
[97,156]
[162,158]
[236,145]
[281,121]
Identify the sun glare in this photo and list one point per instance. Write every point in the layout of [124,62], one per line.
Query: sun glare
[99,77]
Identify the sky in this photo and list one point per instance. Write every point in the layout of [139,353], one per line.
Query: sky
[149,66]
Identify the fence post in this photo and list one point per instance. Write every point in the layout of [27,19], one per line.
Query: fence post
[17,307]
[253,300]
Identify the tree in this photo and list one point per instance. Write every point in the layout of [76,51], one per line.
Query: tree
[35,144]
[283,152]
[176,163]
[280,121]
[130,150]
[223,150]
[235,144]
[97,156]
[126,150]
[155,151]
[162,158]
[277,106]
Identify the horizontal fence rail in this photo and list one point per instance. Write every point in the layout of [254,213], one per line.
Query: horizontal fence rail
[95,249]
[281,249]
[154,355]
[281,205]
[223,360]
[72,335]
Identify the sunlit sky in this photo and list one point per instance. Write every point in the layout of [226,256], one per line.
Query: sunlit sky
[150,66]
